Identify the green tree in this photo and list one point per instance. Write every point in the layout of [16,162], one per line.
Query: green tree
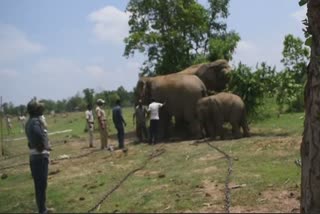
[222,46]
[288,92]
[174,33]
[295,57]
[291,80]
[88,95]
[247,85]
[75,103]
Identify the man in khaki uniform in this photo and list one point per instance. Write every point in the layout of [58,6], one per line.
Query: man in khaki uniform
[101,116]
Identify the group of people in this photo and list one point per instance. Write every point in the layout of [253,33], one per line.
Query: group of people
[118,122]
[39,147]
[139,119]
[140,114]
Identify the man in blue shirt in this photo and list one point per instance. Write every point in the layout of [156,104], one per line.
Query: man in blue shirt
[118,122]
[38,144]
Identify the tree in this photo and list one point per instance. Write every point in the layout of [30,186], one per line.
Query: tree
[295,57]
[174,33]
[88,95]
[75,103]
[310,147]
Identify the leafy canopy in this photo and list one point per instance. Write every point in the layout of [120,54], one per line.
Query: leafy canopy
[174,33]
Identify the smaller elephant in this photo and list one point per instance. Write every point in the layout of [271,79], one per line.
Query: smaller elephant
[214,110]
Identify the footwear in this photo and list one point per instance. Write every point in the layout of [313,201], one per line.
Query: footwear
[50,210]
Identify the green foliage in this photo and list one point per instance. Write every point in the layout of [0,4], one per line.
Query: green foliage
[244,83]
[295,57]
[251,86]
[88,95]
[173,33]
[303,2]
[289,92]
[222,47]
[76,102]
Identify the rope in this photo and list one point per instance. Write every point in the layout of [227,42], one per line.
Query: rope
[154,154]
[228,176]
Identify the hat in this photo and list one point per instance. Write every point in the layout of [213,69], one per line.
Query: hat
[100,101]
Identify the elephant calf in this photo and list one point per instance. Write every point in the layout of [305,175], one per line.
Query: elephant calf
[213,111]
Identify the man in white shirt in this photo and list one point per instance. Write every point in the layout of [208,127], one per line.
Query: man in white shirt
[90,124]
[153,110]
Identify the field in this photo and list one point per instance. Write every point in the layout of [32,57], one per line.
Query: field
[187,176]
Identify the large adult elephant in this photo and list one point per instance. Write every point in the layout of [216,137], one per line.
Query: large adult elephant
[214,110]
[214,75]
[180,92]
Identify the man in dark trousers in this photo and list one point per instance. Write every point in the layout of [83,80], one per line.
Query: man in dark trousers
[118,122]
[39,153]
[153,110]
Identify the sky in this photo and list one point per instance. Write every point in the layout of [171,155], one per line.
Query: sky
[55,49]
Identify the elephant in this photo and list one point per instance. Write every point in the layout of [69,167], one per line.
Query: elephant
[214,110]
[180,93]
[214,75]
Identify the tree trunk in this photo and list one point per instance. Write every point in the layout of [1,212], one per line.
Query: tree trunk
[310,147]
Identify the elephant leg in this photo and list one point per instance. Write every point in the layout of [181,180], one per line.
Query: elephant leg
[236,130]
[245,128]
[220,131]
[207,129]
[164,125]
[194,129]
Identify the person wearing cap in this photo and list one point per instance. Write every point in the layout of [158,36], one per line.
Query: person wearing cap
[153,110]
[101,116]
[118,122]
[38,144]
[140,116]
[90,124]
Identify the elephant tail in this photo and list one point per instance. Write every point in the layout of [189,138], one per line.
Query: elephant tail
[244,124]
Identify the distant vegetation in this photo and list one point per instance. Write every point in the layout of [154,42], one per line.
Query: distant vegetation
[77,102]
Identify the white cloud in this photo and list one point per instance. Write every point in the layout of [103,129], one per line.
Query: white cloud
[110,24]
[300,15]
[14,44]
[251,53]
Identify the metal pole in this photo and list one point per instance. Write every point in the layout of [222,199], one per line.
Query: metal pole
[1,126]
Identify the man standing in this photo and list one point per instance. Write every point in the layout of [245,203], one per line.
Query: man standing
[101,116]
[154,120]
[140,116]
[39,152]
[9,124]
[118,122]
[90,124]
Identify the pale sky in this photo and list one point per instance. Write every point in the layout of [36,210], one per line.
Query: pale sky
[54,49]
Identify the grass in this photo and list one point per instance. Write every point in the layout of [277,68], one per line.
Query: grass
[188,177]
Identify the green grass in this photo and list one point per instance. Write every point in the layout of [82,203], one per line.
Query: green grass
[186,178]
